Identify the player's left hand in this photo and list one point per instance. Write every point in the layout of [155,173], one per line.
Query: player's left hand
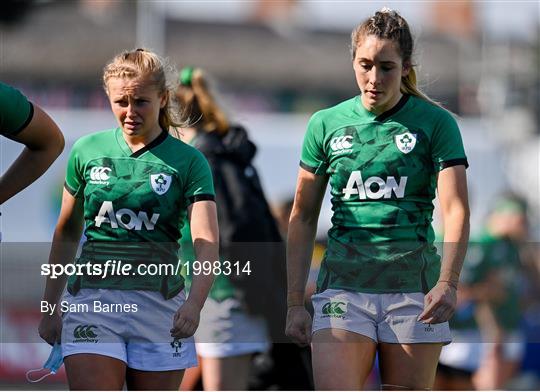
[439,304]
[186,320]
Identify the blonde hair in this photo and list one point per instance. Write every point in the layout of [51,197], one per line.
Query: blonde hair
[198,103]
[132,64]
[388,24]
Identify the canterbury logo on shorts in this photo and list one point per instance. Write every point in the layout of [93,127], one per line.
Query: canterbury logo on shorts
[85,333]
[334,309]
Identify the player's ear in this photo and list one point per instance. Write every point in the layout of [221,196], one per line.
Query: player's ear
[164,99]
[406,68]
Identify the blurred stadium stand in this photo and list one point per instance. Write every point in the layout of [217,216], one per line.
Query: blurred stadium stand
[284,56]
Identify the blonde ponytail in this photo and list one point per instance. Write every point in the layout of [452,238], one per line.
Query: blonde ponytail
[409,86]
[213,117]
[198,103]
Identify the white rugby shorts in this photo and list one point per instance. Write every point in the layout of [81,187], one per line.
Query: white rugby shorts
[130,325]
[386,318]
[226,330]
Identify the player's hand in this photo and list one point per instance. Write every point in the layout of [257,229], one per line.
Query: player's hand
[299,325]
[186,320]
[439,304]
[50,328]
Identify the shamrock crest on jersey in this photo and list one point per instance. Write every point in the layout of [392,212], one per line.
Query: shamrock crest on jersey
[160,182]
[405,142]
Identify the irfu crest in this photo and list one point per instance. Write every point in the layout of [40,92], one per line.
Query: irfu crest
[405,142]
[160,182]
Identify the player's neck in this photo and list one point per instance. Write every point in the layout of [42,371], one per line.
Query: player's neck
[136,142]
[187,134]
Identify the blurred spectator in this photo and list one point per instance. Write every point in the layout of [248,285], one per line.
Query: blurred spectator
[488,346]
[232,328]
[242,311]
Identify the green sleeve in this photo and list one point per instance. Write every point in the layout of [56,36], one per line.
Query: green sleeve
[15,111]
[446,146]
[199,184]
[313,158]
[75,172]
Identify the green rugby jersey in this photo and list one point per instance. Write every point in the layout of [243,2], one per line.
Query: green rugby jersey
[135,205]
[383,173]
[15,111]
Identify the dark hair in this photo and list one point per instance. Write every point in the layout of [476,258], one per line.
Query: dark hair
[388,24]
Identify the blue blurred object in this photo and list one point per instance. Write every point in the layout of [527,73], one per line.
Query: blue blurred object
[531,328]
[53,363]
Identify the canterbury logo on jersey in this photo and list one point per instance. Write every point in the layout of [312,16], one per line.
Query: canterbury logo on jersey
[124,218]
[374,187]
[100,175]
[341,143]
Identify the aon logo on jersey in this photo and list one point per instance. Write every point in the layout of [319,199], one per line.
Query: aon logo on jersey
[124,218]
[374,187]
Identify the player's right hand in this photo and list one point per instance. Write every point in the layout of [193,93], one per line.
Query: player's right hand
[299,325]
[186,320]
[50,328]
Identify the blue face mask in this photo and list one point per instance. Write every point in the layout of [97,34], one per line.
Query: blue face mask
[53,363]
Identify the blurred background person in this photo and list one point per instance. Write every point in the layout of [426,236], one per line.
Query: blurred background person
[489,343]
[242,314]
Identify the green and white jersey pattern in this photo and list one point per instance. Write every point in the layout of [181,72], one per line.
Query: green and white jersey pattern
[383,173]
[15,111]
[135,205]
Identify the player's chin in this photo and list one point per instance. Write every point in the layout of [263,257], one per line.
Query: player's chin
[131,131]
